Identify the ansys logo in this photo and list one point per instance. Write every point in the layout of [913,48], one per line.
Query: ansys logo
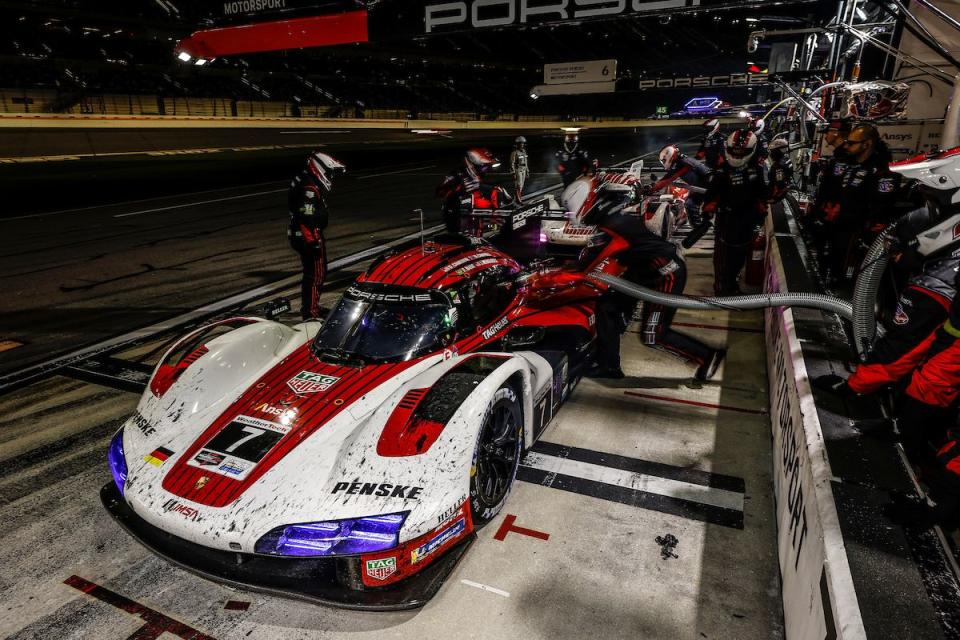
[307,382]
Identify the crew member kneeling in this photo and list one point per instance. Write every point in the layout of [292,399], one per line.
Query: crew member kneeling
[308,218]
[649,261]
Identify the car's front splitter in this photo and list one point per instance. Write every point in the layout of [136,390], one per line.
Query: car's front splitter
[329,581]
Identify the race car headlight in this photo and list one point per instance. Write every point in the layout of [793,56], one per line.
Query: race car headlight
[118,462]
[335,537]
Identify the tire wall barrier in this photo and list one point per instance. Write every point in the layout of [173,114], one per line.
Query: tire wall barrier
[819,600]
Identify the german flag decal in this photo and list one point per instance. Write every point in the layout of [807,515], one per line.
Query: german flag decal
[158,457]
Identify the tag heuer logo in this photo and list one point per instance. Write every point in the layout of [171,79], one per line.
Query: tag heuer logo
[307,382]
[381,569]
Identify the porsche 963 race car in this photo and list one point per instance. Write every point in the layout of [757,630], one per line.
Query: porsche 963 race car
[350,462]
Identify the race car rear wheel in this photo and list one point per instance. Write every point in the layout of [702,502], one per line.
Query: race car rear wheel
[497,455]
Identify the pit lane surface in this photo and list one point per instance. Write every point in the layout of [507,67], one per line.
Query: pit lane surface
[574,553]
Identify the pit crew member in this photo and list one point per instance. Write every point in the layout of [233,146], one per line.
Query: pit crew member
[651,262]
[464,188]
[309,216]
[737,195]
[520,166]
[572,160]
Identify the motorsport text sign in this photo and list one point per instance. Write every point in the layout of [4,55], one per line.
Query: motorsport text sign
[576,72]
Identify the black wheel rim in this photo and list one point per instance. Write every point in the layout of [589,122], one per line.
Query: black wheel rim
[497,455]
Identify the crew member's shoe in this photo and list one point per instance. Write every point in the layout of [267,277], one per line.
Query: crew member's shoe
[708,368]
[596,371]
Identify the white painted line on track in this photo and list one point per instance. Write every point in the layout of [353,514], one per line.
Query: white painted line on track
[636,481]
[484,587]
[195,204]
[390,173]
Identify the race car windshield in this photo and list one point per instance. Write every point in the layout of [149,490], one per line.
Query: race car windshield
[375,325]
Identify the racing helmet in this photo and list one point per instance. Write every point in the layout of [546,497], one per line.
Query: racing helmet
[741,146]
[480,161]
[938,181]
[570,141]
[711,127]
[670,156]
[588,201]
[520,141]
[321,167]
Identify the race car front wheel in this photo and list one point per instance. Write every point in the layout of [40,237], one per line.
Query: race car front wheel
[496,456]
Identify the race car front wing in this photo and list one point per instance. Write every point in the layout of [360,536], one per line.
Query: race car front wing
[329,581]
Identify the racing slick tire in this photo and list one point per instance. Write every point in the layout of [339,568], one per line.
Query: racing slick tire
[496,456]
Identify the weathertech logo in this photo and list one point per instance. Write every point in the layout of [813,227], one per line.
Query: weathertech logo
[381,569]
[307,382]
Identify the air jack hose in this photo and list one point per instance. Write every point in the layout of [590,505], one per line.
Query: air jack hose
[732,303]
[865,292]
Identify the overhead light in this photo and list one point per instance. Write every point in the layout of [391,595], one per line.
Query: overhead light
[200,62]
[534,95]
[184,56]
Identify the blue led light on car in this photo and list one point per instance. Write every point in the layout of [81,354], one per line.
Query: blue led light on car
[117,460]
[349,537]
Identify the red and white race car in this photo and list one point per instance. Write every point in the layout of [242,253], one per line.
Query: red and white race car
[349,462]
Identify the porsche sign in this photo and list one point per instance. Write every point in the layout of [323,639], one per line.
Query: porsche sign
[479,14]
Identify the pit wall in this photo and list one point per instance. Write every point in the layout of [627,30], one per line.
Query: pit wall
[819,600]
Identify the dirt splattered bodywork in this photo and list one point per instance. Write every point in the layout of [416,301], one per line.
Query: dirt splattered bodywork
[350,462]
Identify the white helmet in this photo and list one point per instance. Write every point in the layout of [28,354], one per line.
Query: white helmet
[520,141]
[320,167]
[588,200]
[740,147]
[938,178]
[711,127]
[670,156]
[480,160]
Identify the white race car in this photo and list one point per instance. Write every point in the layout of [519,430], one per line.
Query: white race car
[350,462]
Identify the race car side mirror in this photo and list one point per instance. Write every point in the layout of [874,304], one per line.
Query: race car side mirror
[521,337]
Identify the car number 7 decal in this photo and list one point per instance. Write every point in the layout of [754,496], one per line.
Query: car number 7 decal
[253,431]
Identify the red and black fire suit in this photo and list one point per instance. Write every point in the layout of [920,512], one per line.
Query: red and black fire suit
[308,218]
[851,198]
[711,150]
[696,173]
[462,192]
[924,413]
[738,196]
[572,164]
[781,176]
[651,262]
[457,191]
[921,310]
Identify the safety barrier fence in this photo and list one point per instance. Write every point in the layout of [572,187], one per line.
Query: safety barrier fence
[847,573]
